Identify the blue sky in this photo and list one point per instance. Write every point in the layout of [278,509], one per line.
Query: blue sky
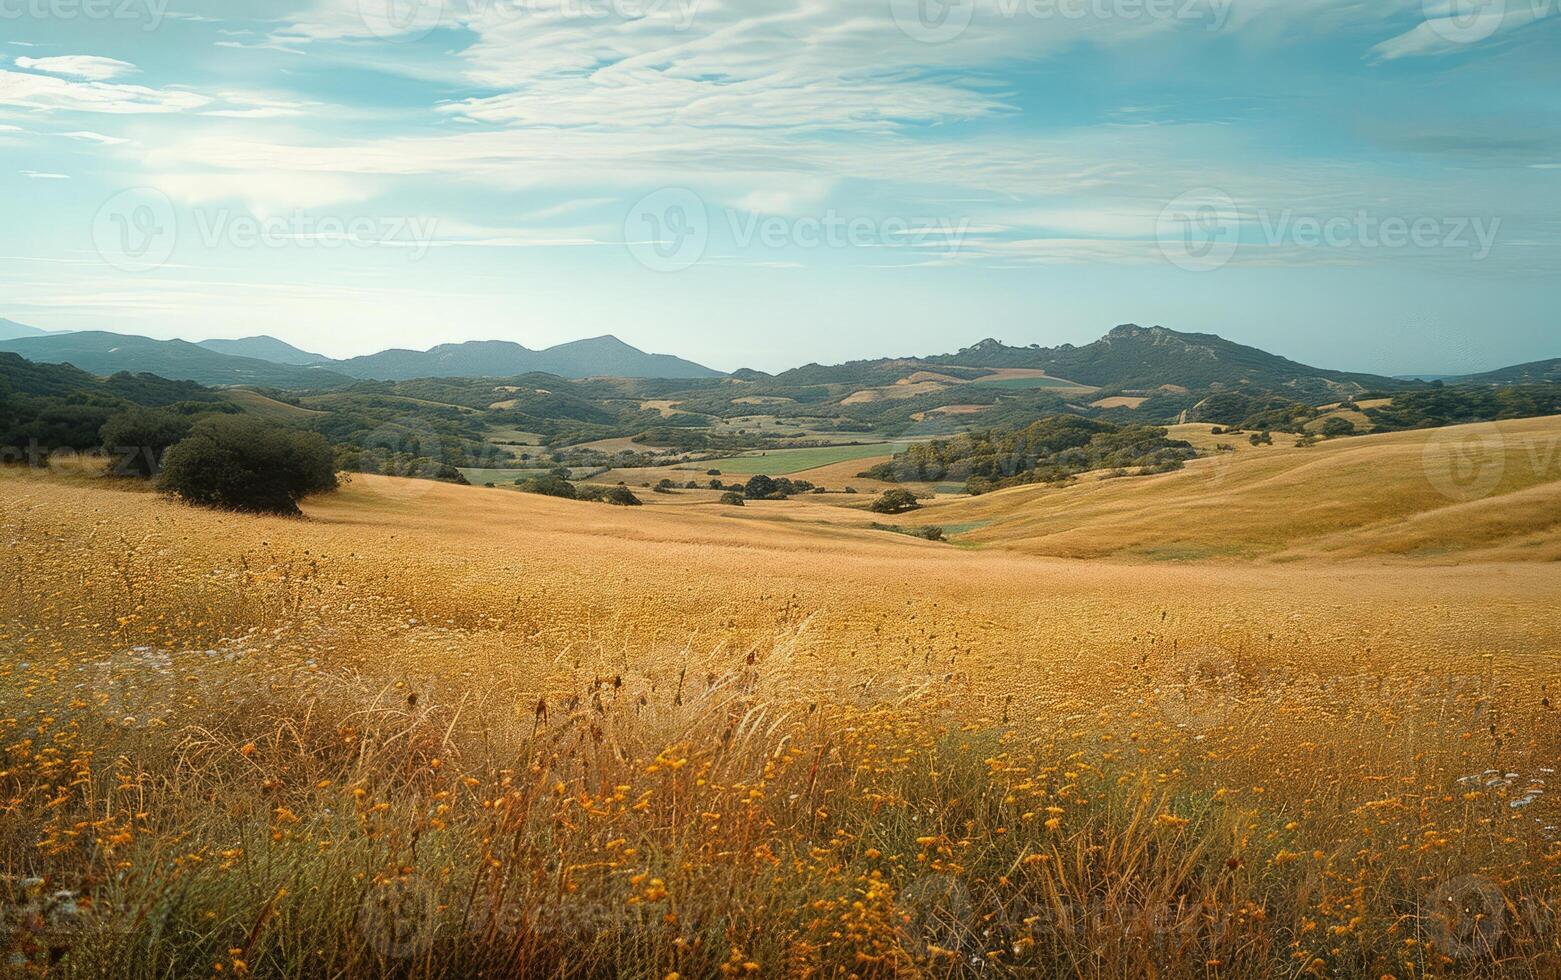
[1366,185]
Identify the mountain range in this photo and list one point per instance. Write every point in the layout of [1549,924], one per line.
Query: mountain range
[1130,357]
[595,358]
[270,362]
[110,353]
[11,330]
[265,349]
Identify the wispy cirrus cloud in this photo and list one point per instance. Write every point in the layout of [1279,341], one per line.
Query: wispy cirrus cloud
[87,67]
[47,92]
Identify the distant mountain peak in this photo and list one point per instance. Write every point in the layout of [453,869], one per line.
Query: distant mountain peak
[102,353]
[11,330]
[604,356]
[265,348]
[990,345]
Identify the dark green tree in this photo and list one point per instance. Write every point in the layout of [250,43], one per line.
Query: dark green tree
[137,438]
[622,497]
[895,502]
[547,486]
[242,463]
[761,488]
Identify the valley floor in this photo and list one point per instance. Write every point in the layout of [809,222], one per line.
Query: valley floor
[439,730]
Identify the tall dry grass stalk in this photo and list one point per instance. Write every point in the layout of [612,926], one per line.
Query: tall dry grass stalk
[246,768]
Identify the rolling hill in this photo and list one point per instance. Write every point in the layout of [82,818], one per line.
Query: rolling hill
[1547,370]
[110,353]
[11,330]
[598,357]
[1489,491]
[265,349]
[1131,356]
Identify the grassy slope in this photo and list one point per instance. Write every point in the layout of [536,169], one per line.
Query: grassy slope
[787,462]
[1369,496]
[805,730]
[503,551]
[269,408]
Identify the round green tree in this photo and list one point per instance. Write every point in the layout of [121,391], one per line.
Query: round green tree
[240,463]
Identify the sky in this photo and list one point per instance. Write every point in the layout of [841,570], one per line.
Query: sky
[1371,185]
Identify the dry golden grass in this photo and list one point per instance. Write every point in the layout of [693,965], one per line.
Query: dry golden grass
[1201,436]
[253,401]
[1119,401]
[447,731]
[1410,494]
[662,405]
[950,410]
[899,391]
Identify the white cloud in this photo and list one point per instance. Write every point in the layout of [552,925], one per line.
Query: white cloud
[263,192]
[37,175]
[87,67]
[99,138]
[31,91]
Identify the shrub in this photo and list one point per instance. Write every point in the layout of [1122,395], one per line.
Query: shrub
[547,486]
[242,463]
[761,488]
[732,498]
[621,496]
[1337,427]
[138,438]
[895,502]
[932,533]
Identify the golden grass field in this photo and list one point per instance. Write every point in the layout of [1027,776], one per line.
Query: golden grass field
[448,731]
